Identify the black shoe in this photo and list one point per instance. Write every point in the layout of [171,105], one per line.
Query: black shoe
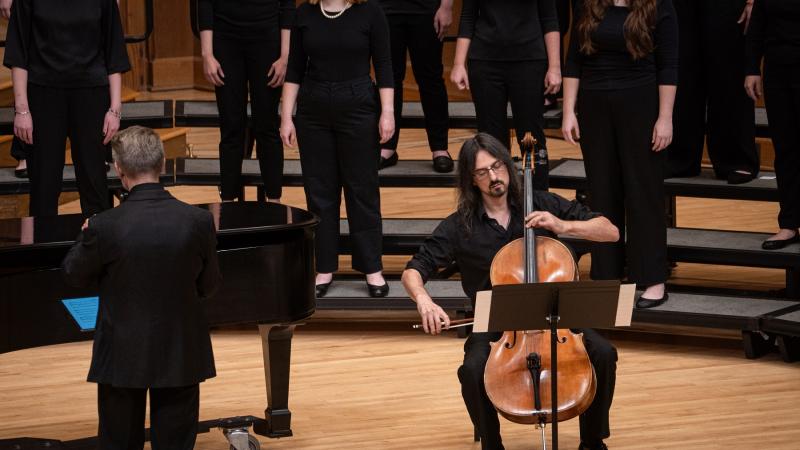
[443,164]
[388,162]
[378,291]
[736,177]
[21,173]
[600,446]
[322,289]
[777,244]
[644,303]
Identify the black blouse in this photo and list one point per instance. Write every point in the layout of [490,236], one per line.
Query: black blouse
[507,30]
[612,66]
[474,250]
[774,33]
[340,49]
[414,7]
[67,44]
[246,19]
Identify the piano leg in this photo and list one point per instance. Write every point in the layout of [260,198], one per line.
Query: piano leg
[276,342]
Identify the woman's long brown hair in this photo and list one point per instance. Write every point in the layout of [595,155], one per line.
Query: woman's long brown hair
[639,25]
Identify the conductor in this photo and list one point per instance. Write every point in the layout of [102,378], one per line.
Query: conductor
[154,260]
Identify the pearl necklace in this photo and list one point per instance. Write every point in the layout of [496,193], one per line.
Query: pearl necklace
[333,16]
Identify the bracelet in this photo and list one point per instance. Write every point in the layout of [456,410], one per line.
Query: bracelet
[21,113]
[115,113]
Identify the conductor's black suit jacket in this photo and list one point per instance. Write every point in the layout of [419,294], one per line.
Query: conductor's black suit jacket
[154,259]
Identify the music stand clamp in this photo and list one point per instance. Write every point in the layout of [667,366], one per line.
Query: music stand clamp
[536,306]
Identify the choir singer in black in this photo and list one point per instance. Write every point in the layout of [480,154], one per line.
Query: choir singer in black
[154,260]
[341,119]
[490,215]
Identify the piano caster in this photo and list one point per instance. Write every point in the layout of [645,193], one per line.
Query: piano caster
[241,439]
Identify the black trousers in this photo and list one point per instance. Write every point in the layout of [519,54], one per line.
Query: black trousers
[625,179]
[782,99]
[19,149]
[173,417]
[496,83]
[593,422]
[337,132]
[710,96]
[414,34]
[76,113]
[246,64]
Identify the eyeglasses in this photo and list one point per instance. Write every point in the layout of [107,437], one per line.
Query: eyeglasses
[498,167]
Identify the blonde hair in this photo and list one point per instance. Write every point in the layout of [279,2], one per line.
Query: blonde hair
[352,2]
[138,150]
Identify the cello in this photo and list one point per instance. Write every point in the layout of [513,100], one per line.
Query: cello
[517,376]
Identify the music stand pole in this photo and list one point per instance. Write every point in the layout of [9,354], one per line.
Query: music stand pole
[553,320]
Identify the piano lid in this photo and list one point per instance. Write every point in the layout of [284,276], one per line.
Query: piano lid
[229,218]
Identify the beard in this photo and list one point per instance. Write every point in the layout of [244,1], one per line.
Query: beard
[497,189]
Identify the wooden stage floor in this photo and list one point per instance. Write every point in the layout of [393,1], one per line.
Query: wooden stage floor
[397,389]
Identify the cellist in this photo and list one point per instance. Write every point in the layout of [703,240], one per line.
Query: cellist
[489,215]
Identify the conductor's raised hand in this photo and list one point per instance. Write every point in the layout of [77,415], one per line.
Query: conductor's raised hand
[433,317]
[459,77]
[386,126]
[288,133]
[547,221]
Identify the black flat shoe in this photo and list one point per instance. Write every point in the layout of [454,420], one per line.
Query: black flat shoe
[600,446]
[644,303]
[443,164]
[21,173]
[737,177]
[322,289]
[378,291]
[777,244]
[388,162]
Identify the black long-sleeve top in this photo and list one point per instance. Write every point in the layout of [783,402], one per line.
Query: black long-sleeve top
[507,30]
[340,49]
[474,250]
[66,44]
[414,7]
[246,19]
[612,66]
[774,33]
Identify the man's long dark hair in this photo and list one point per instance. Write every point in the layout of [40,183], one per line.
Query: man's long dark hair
[469,196]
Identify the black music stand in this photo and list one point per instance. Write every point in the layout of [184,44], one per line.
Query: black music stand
[536,306]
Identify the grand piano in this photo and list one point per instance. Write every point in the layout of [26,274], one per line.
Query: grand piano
[266,255]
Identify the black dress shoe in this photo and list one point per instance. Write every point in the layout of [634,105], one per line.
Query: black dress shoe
[388,162]
[378,291]
[322,289]
[737,177]
[21,173]
[600,446]
[443,164]
[644,303]
[777,244]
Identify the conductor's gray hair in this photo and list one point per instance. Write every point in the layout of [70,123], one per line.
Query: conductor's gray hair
[138,150]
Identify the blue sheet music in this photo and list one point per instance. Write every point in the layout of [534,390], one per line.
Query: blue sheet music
[83,310]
